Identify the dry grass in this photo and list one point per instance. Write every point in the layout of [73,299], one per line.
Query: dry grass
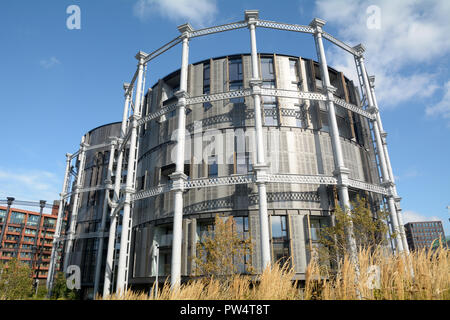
[423,275]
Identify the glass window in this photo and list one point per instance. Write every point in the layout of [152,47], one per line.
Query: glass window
[235,77]
[267,70]
[2,215]
[30,231]
[315,225]
[294,74]
[235,69]
[17,218]
[32,220]
[50,222]
[280,241]
[206,84]
[213,169]
[324,120]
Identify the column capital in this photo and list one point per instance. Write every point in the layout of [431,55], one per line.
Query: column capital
[360,49]
[251,16]
[383,134]
[185,30]
[68,155]
[178,179]
[181,94]
[10,200]
[260,170]
[126,85]
[387,184]
[331,90]
[317,24]
[342,174]
[373,110]
[255,82]
[141,55]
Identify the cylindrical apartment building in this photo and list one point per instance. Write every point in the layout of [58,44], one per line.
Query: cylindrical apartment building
[90,219]
[220,142]
[275,141]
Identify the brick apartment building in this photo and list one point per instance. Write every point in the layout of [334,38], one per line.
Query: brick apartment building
[29,237]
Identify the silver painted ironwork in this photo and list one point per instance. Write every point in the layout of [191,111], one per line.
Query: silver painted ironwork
[302,179]
[216,29]
[284,26]
[157,114]
[151,192]
[219,96]
[339,43]
[353,108]
[162,49]
[219,181]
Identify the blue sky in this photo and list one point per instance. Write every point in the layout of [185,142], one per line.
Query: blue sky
[51,77]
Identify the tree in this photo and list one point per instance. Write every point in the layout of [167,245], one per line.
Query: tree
[369,231]
[16,282]
[222,250]
[60,290]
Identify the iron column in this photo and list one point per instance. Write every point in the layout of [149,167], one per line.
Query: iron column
[389,167]
[59,220]
[341,172]
[98,263]
[122,274]
[380,150]
[251,16]
[178,177]
[116,195]
[74,213]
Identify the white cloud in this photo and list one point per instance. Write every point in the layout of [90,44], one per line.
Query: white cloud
[196,12]
[29,185]
[442,108]
[413,34]
[49,63]
[412,216]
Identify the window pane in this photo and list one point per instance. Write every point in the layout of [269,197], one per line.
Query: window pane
[213,168]
[267,68]
[235,69]
[17,217]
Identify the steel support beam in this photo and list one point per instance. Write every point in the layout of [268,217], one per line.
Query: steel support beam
[380,150]
[178,177]
[101,240]
[59,221]
[122,274]
[75,204]
[116,196]
[389,167]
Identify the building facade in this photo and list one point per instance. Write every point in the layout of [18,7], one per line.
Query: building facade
[90,220]
[28,236]
[275,141]
[220,143]
[424,234]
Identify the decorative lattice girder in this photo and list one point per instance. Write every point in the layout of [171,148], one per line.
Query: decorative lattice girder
[216,29]
[284,26]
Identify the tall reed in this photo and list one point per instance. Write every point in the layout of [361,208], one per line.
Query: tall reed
[423,275]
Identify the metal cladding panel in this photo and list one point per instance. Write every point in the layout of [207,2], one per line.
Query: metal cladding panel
[298,242]
[255,233]
[142,260]
[217,81]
